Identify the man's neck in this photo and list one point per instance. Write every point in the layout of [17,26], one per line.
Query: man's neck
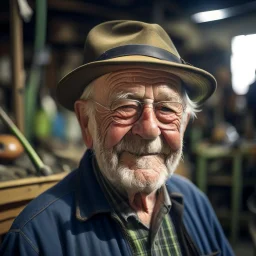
[144,205]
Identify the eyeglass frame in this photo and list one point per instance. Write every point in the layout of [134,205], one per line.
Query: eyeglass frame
[142,104]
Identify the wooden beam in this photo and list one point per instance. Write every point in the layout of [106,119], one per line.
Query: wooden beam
[17,64]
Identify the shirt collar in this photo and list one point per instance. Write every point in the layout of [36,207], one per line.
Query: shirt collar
[167,201]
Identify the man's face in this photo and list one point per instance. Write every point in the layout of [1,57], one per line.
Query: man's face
[137,156]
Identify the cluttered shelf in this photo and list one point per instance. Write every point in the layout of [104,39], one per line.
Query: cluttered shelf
[226,180]
[206,152]
[224,216]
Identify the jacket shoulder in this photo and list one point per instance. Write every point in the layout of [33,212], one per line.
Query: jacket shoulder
[195,201]
[183,185]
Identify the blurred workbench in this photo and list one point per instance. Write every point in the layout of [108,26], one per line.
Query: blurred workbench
[16,194]
[207,151]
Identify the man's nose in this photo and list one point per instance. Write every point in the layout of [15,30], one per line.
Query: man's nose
[147,125]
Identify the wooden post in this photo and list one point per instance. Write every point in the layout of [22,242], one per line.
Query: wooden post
[17,64]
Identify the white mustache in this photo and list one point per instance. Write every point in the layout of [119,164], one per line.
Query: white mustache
[138,146]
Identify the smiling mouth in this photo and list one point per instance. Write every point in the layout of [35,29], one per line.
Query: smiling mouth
[145,154]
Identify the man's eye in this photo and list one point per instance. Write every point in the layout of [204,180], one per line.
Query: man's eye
[127,108]
[169,107]
[166,109]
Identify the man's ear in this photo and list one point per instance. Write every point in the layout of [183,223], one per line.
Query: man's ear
[83,119]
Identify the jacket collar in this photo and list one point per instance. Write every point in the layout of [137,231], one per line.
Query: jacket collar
[90,198]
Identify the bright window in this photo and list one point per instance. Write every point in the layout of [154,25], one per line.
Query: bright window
[243,62]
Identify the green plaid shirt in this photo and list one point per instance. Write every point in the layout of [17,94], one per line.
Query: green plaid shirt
[158,239]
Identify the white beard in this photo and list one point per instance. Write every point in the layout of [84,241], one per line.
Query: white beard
[123,178]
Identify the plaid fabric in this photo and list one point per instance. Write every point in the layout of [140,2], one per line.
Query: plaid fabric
[159,239]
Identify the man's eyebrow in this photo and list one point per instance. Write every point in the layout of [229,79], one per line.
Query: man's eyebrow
[163,96]
[123,95]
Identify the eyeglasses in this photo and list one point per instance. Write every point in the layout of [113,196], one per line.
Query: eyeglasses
[128,111]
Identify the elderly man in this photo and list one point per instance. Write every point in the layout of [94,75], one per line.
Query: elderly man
[133,98]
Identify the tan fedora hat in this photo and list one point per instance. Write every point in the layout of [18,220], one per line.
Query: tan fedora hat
[119,45]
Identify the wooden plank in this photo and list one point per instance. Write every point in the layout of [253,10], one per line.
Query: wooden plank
[11,210]
[32,180]
[5,225]
[16,194]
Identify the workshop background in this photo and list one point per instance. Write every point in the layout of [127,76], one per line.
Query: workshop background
[40,142]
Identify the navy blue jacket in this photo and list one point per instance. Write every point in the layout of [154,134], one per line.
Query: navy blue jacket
[73,218]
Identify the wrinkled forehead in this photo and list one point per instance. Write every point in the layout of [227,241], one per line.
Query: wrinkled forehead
[132,80]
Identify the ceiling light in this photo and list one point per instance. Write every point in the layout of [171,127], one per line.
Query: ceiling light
[224,13]
[209,16]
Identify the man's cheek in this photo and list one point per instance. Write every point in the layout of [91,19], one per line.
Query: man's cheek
[114,135]
[173,139]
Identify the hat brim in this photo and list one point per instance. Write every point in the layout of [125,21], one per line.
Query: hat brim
[200,85]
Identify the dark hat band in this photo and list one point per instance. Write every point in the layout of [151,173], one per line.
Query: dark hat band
[139,49]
